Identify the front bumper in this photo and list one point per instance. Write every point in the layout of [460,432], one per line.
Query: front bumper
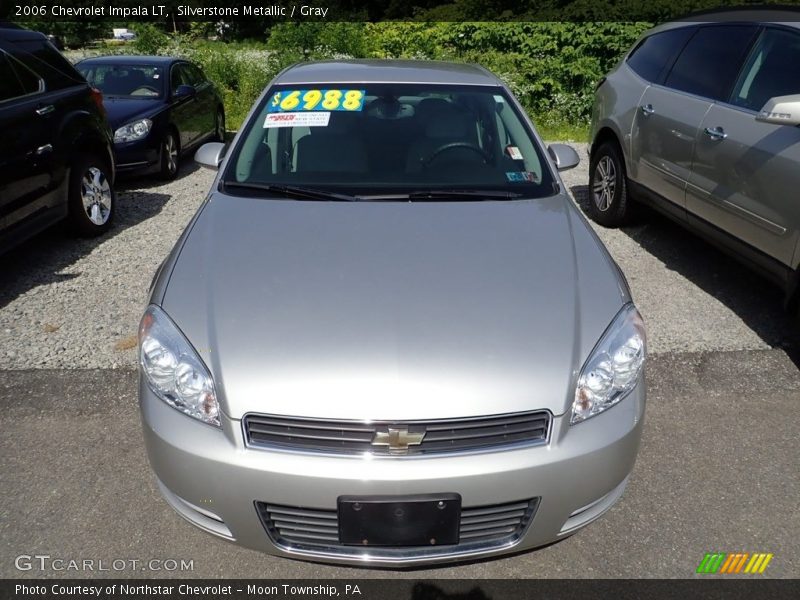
[214,481]
[140,156]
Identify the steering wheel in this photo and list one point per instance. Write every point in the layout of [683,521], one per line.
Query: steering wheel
[144,87]
[455,146]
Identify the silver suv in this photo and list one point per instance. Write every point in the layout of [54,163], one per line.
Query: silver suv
[700,121]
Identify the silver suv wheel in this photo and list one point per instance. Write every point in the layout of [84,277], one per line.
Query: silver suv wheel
[609,204]
[604,184]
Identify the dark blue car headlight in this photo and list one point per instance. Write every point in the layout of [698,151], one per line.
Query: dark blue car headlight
[131,132]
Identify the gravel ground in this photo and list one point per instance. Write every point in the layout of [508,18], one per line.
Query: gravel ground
[75,303]
[67,302]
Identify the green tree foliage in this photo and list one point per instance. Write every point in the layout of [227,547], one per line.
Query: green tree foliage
[149,38]
[74,34]
[316,39]
[552,67]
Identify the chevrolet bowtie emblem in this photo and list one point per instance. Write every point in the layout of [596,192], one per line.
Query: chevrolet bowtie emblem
[398,439]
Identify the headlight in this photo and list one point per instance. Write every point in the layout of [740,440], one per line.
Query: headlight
[613,368]
[174,371]
[133,131]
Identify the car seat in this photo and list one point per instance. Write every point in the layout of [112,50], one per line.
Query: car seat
[334,148]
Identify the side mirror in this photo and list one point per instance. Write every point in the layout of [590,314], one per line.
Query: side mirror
[564,156]
[210,155]
[781,110]
[184,91]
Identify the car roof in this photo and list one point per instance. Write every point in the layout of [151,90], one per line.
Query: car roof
[757,14]
[122,59]
[13,33]
[386,71]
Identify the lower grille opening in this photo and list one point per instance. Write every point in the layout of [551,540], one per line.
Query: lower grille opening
[316,531]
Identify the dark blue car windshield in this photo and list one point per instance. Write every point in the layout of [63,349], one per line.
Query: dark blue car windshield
[138,81]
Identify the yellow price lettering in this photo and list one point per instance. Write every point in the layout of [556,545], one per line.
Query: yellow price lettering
[311,99]
[291,101]
[276,99]
[332,98]
[352,100]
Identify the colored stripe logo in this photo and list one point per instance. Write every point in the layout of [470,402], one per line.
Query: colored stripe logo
[734,562]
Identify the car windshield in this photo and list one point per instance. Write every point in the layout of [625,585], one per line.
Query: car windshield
[379,141]
[139,81]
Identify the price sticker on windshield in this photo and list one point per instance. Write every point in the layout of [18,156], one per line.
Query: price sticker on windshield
[316,100]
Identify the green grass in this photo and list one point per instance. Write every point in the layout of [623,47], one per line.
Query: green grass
[561,131]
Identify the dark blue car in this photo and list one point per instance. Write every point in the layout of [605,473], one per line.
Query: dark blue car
[159,108]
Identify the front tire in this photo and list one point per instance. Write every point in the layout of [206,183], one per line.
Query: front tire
[609,202]
[92,200]
[169,157]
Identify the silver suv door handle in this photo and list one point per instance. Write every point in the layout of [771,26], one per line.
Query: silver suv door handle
[717,133]
[45,110]
[647,109]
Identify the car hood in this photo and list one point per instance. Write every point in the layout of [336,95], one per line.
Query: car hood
[121,111]
[393,310]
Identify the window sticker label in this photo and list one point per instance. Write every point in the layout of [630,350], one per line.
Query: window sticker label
[317,100]
[514,152]
[522,177]
[297,119]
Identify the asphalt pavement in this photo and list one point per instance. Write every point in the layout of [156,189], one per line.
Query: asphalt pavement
[717,472]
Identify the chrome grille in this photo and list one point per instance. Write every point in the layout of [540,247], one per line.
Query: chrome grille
[356,437]
[314,529]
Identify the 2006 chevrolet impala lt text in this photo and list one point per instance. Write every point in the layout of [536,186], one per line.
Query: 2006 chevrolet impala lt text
[388,337]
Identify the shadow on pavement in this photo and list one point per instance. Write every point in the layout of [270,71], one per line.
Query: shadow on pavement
[755,300]
[40,260]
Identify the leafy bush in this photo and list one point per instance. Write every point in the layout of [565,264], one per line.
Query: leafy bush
[149,39]
[552,67]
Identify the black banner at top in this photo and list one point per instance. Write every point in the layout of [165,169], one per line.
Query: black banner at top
[183,11]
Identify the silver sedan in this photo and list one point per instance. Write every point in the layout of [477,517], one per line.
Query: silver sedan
[388,337]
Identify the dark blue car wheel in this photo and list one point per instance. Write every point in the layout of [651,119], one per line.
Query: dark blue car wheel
[169,156]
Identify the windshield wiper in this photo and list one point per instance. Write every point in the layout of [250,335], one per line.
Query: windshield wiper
[290,191]
[465,194]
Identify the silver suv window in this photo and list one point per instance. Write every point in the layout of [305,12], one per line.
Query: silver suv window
[656,53]
[710,61]
[771,70]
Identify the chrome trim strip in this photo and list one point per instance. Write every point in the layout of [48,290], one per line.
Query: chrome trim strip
[593,511]
[770,226]
[200,518]
[131,165]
